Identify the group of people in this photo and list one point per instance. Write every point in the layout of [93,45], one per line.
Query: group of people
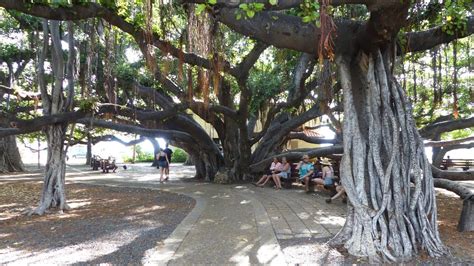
[307,173]
[164,159]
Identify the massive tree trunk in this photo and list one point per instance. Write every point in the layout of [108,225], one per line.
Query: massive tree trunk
[89,149]
[53,194]
[389,217]
[10,159]
[156,150]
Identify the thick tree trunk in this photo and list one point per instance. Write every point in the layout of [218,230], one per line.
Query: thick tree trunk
[156,150]
[10,159]
[390,219]
[189,161]
[53,194]
[466,221]
[89,149]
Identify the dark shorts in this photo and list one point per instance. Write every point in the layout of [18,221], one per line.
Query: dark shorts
[163,164]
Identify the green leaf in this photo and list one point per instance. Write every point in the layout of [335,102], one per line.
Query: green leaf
[200,8]
[250,13]
[244,6]
[212,2]
[273,2]
[259,6]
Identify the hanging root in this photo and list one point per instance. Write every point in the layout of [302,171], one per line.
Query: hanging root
[383,152]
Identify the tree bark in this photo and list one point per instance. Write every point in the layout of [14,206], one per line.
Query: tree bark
[10,159]
[156,150]
[382,149]
[89,149]
[53,194]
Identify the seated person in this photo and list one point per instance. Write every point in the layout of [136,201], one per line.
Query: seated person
[306,170]
[317,170]
[273,168]
[340,192]
[283,172]
[327,179]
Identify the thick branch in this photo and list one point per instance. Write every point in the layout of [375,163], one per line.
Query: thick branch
[435,129]
[455,187]
[91,10]
[315,140]
[288,4]
[168,134]
[447,142]
[424,40]
[452,175]
[19,126]
[250,59]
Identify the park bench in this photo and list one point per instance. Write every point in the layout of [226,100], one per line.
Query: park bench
[464,164]
[108,164]
[95,162]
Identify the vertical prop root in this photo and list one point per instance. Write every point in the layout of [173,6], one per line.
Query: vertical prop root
[384,169]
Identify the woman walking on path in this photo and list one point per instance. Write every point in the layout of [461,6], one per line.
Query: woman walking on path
[163,163]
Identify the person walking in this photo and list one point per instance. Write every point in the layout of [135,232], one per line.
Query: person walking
[163,163]
[169,153]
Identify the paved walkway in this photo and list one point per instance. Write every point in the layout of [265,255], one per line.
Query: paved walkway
[230,224]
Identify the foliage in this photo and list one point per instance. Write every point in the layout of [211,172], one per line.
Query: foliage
[179,156]
[453,17]
[309,11]
[248,10]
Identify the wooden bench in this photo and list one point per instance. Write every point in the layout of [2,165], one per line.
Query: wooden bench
[108,164]
[95,162]
[465,164]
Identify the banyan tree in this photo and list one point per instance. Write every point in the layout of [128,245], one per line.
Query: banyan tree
[335,56]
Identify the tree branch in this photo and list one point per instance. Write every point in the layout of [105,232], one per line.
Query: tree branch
[92,10]
[314,140]
[432,130]
[168,134]
[282,4]
[20,126]
[424,40]
[249,60]
[460,190]
[452,175]
[447,142]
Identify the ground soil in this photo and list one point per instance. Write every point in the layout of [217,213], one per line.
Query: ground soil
[131,220]
[461,244]
[143,218]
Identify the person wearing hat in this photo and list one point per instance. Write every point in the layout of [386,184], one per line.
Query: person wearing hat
[327,178]
[306,170]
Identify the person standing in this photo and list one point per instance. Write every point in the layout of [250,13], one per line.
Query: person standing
[169,153]
[163,163]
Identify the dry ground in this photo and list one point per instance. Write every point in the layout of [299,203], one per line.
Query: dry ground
[119,225]
[105,224]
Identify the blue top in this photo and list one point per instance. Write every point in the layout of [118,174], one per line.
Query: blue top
[305,169]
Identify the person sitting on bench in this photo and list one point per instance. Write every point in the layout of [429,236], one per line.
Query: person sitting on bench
[327,179]
[273,167]
[306,170]
[283,172]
